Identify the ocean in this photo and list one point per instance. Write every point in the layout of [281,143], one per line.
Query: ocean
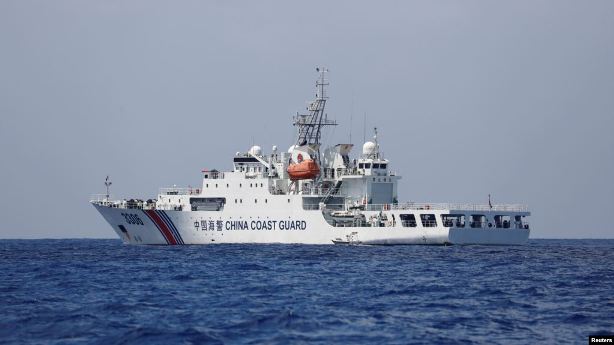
[104,292]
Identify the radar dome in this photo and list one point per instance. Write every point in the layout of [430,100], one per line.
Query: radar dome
[369,148]
[255,150]
[291,149]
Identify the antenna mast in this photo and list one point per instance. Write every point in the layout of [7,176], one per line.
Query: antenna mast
[310,125]
[107,184]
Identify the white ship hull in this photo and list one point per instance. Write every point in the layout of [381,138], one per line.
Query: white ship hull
[290,225]
[309,194]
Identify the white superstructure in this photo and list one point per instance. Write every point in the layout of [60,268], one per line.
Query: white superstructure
[309,195]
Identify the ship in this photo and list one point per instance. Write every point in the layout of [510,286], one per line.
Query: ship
[308,194]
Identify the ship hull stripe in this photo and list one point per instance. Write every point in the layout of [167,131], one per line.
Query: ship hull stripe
[171,225]
[163,228]
[157,227]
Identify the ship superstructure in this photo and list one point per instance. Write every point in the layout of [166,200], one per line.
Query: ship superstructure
[309,195]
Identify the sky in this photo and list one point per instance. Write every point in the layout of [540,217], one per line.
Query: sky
[509,98]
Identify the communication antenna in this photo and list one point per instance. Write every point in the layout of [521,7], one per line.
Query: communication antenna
[350,128]
[107,184]
[364,129]
[351,116]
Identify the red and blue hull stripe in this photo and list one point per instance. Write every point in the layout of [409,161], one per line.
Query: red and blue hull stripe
[166,227]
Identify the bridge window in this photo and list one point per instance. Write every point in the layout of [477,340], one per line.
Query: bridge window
[367,165]
[428,220]
[361,165]
[382,166]
[375,165]
[408,220]
[453,220]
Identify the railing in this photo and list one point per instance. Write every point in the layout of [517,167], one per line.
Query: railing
[424,206]
[102,200]
[447,206]
[320,191]
[179,191]
[330,173]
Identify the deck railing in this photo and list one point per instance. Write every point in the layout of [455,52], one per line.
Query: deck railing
[430,206]
[179,191]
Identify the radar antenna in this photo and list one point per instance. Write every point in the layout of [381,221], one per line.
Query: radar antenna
[310,125]
[107,184]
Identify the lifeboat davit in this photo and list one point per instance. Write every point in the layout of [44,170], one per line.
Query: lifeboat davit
[305,170]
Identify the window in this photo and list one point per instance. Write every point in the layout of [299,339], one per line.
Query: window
[478,221]
[288,200]
[428,220]
[235,201]
[240,185]
[216,185]
[367,165]
[361,165]
[207,204]
[261,185]
[375,165]
[382,166]
[255,201]
[408,220]
[227,185]
[453,220]
[250,185]
[207,185]
[240,201]
[266,201]
[502,221]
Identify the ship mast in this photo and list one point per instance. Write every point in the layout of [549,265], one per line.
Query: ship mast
[310,125]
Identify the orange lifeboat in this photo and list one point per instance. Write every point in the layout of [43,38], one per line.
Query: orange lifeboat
[305,170]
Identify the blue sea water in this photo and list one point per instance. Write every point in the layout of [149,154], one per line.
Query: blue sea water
[100,291]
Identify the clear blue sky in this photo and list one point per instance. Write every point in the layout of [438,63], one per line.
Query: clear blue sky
[511,98]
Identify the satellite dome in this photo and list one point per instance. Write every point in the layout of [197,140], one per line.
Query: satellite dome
[369,148]
[255,150]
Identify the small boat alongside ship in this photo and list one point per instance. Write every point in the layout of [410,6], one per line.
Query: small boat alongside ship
[308,194]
